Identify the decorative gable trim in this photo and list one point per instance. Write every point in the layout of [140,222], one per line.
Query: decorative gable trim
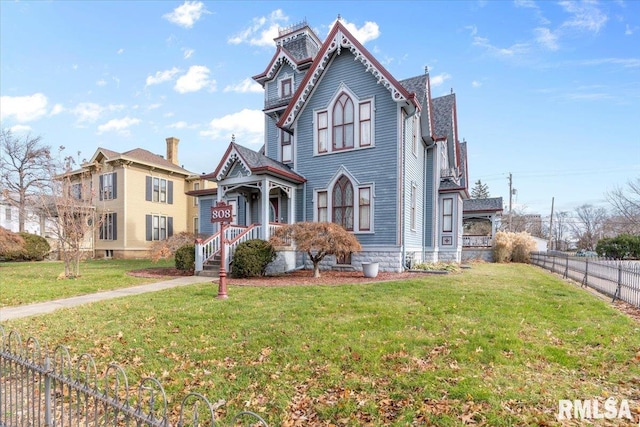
[339,38]
[281,56]
[230,158]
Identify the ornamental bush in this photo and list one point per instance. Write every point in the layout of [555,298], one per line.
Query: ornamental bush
[513,247]
[251,258]
[186,257]
[624,246]
[35,247]
[11,245]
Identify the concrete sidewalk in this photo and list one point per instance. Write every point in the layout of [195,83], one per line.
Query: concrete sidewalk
[8,313]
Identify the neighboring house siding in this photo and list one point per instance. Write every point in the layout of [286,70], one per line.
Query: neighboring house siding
[377,164]
[413,180]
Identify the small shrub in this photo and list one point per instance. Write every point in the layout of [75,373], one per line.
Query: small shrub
[451,267]
[35,247]
[164,249]
[251,258]
[11,245]
[186,257]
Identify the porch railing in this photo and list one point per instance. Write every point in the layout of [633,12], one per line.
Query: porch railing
[472,241]
[234,234]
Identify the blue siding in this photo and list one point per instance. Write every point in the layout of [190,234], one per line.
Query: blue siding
[378,164]
[413,176]
[429,199]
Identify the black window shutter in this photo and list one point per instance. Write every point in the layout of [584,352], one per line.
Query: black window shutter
[101,186]
[170,190]
[169,226]
[114,221]
[115,185]
[149,222]
[147,196]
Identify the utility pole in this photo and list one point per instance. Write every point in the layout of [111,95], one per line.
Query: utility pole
[510,199]
[550,245]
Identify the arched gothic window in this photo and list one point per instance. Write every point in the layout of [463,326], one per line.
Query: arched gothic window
[343,123]
[342,199]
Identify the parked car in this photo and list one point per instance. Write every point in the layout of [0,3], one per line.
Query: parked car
[582,252]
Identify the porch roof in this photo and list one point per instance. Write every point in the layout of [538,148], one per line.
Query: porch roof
[492,204]
[257,163]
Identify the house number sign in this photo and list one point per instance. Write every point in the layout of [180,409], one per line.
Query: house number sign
[222,212]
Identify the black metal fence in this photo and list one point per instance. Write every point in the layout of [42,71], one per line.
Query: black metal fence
[617,279]
[38,388]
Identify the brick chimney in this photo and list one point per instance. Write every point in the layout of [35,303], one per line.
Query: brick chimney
[172,149]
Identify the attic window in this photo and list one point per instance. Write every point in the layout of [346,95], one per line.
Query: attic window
[286,87]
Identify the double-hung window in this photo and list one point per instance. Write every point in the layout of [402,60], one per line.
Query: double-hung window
[108,186]
[159,190]
[285,141]
[447,215]
[108,227]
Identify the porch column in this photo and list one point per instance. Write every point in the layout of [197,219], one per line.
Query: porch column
[264,208]
[292,203]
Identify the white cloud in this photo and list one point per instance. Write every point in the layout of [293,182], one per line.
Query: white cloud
[101,82]
[23,108]
[546,38]
[516,49]
[187,53]
[118,125]
[439,79]
[247,126]
[87,112]
[248,85]
[182,125]
[369,31]
[120,51]
[476,83]
[526,4]
[162,76]
[187,14]
[20,129]
[57,109]
[154,106]
[90,111]
[169,114]
[196,78]
[262,30]
[585,16]
[628,31]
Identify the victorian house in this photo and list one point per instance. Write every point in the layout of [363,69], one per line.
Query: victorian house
[347,142]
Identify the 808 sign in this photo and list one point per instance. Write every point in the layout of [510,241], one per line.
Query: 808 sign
[222,213]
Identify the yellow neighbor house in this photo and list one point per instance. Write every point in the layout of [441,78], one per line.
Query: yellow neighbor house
[139,197]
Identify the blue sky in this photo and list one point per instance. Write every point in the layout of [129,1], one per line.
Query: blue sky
[547,91]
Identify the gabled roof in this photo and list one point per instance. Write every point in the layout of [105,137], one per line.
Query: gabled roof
[339,37]
[137,155]
[443,114]
[281,56]
[421,86]
[491,204]
[254,162]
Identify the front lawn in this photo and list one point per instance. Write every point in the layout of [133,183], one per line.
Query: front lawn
[497,345]
[29,282]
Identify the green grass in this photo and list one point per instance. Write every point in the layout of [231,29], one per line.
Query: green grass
[497,344]
[29,282]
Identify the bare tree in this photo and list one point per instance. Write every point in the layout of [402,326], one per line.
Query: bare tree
[317,239]
[626,204]
[588,226]
[69,203]
[560,230]
[25,168]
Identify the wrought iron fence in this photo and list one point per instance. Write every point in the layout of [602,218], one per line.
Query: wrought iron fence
[617,279]
[39,388]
